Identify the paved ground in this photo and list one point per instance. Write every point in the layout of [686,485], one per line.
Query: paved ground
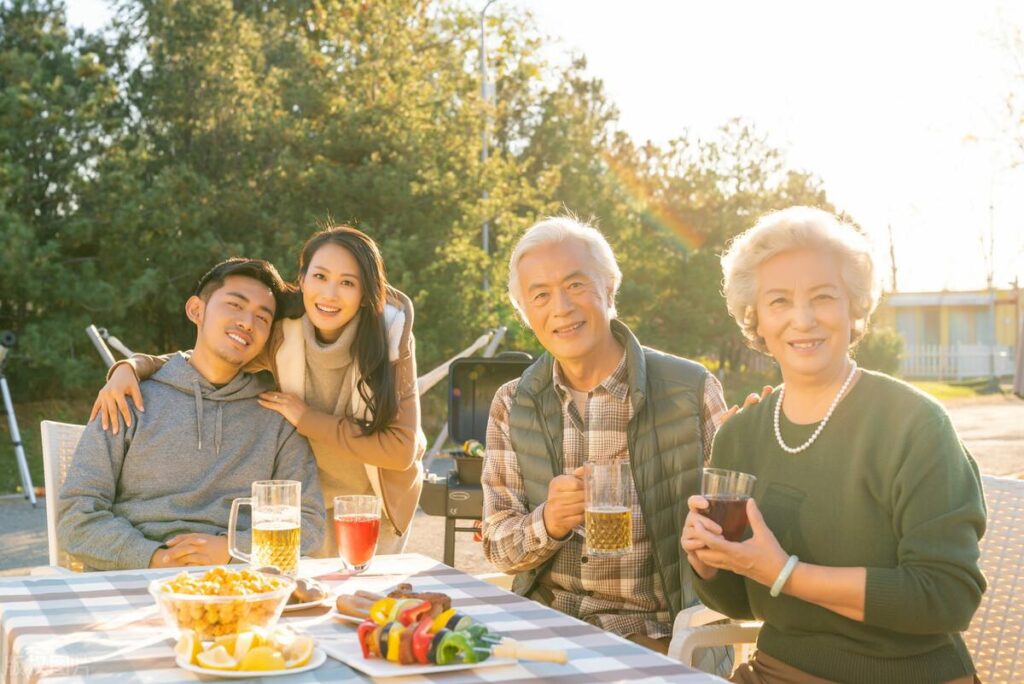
[992,428]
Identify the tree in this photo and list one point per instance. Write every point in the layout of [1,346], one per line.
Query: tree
[60,112]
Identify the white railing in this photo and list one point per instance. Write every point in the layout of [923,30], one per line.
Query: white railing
[956,362]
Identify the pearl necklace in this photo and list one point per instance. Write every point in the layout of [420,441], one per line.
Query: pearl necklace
[821,425]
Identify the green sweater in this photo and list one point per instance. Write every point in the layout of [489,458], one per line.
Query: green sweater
[887,486]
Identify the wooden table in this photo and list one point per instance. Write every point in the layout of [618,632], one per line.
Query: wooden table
[104,627]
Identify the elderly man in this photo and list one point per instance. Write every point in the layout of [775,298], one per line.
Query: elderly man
[596,395]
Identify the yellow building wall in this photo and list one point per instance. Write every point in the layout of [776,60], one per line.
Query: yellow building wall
[1009,315]
[1007,323]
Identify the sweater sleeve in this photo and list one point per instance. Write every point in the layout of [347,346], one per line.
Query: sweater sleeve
[87,527]
[144,365]
[396,447]
[726,592]
[939,517]
[295,462]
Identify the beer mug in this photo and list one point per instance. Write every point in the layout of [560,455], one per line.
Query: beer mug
[276,525]
[608,495]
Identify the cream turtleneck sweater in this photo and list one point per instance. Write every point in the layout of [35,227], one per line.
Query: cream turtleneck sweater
[329,390]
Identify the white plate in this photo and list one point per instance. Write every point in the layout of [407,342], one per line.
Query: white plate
[318,659]
[342,617]
[346,649]
[293,607]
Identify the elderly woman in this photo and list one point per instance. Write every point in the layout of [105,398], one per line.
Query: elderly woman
[862,559]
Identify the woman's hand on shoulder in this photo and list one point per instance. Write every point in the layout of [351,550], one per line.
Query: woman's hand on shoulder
[752,399]
[288,405]
[113,399]
[759,558]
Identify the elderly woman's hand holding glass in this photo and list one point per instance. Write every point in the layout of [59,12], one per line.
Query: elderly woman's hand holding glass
[866,514]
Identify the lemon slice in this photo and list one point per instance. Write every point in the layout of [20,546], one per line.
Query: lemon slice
[227,641]
[298,652]
[245,642]
[281,638]
[189,646]
[216,658]
[262,658]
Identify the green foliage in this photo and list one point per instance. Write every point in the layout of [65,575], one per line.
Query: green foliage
[880,350]
[188,132]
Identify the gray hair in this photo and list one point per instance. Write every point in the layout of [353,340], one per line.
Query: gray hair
[559,229]
[792,229]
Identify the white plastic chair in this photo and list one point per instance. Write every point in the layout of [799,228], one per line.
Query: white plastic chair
[996,635]
[995,638]
[59,443]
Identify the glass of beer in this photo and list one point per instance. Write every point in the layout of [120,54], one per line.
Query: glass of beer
[276,525]
[356,527]
[608,495]
[727,492]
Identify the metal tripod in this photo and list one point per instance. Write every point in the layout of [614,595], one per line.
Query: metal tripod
[7,340]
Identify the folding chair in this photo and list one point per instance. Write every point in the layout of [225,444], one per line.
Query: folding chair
[59,443]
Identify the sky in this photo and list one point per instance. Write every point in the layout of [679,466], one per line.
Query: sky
[897,106]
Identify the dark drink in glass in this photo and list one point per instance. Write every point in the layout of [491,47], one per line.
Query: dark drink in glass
[730,512]
[727,492]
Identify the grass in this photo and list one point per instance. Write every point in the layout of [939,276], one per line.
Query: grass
[943,391]
[29,415]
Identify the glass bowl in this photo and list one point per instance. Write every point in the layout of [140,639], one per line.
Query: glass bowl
[221,601]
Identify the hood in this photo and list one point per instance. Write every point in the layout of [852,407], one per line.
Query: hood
[179,374]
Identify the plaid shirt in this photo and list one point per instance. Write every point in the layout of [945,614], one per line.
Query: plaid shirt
[622,594]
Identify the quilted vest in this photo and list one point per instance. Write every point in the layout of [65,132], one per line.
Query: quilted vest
[664,442]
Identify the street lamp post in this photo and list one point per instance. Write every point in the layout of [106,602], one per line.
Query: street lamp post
[485,95]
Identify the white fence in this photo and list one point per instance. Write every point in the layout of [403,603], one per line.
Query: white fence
[956,362]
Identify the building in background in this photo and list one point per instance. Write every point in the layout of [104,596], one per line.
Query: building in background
[956,335]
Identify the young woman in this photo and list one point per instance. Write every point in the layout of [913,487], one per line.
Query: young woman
[344,357]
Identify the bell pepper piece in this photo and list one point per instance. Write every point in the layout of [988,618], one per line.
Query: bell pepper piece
[412,614]
[442,620]
[455,648]
[380,610]
[421,639]
[394,638]
[401,605]
[482,636]
[364,633]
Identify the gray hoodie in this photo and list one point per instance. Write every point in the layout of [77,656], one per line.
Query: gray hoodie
[178,467]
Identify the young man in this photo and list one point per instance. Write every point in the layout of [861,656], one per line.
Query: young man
[158,492]
[596,395]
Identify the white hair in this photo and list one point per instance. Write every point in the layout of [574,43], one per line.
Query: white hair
[788,230]
[559,229]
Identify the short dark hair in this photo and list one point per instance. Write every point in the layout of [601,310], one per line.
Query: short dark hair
[257,269]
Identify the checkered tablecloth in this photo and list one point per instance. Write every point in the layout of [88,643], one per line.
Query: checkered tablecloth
[104,627]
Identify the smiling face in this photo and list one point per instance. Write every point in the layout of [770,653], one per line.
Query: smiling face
[234,322]
[332,290]
[564,299]
[803,313]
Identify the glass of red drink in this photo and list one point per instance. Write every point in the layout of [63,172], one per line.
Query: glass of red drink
[727,492]
[356,527]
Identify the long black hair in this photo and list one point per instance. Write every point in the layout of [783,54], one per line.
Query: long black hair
[377,384]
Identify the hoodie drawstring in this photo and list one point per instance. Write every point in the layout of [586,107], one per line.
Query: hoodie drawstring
[220,413]
[199,413]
